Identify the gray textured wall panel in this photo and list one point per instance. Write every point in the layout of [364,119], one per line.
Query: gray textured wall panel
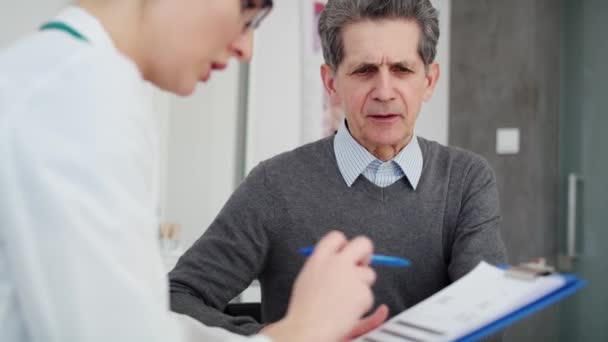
[505,73]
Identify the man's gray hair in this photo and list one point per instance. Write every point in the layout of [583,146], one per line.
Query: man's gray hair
[340,13]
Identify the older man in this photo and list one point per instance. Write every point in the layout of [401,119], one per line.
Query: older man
[436,205]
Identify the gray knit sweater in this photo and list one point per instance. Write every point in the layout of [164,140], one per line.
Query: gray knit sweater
[445,227]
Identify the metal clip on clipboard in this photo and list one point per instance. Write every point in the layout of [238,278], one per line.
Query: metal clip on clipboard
[530,270]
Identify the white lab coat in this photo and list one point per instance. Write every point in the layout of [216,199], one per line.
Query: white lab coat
[79,257]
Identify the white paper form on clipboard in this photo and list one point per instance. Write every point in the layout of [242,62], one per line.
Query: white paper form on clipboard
[477,301]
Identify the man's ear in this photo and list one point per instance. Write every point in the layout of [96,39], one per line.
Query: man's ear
[328,77]
[432,76]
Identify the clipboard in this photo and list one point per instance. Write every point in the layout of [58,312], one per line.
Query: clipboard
[457,313]
[535,269]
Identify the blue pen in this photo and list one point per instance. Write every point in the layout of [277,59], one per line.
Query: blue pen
[377,260]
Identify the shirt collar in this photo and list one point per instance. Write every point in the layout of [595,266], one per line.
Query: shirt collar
[87,25]
[353,159]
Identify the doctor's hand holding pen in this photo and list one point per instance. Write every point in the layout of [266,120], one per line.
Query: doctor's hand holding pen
[331,294]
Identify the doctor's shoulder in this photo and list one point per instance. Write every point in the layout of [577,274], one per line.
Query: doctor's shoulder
[63,87]
[45,63]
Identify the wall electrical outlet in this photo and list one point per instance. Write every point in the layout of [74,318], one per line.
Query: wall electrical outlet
[507,141]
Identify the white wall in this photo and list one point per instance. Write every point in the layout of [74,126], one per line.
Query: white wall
[201,153]
[433,120]
[274,109]
[276,99]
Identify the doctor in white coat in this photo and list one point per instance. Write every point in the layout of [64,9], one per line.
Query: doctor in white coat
[79,258]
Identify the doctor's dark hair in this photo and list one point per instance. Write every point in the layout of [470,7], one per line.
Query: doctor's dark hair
[340,13]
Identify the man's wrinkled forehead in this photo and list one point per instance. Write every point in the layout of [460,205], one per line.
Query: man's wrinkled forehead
[380,43]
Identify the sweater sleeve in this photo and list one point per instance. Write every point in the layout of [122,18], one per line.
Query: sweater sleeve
[477,232]
[226,259]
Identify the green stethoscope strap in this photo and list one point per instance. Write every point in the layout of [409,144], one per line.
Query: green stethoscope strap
[57,25]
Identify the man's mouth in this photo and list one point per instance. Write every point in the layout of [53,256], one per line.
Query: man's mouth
[384,118]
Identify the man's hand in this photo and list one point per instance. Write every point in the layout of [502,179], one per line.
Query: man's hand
[331,294]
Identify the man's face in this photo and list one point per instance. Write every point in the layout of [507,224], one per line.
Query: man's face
[381,82]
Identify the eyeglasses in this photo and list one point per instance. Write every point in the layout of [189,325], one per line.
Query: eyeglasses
[263,6]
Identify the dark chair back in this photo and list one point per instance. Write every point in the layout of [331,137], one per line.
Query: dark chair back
[253,310]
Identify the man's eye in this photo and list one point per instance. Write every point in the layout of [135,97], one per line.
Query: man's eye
[402,70]
[364,71]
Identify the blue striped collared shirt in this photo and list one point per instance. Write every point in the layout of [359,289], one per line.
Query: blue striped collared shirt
[354,160]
